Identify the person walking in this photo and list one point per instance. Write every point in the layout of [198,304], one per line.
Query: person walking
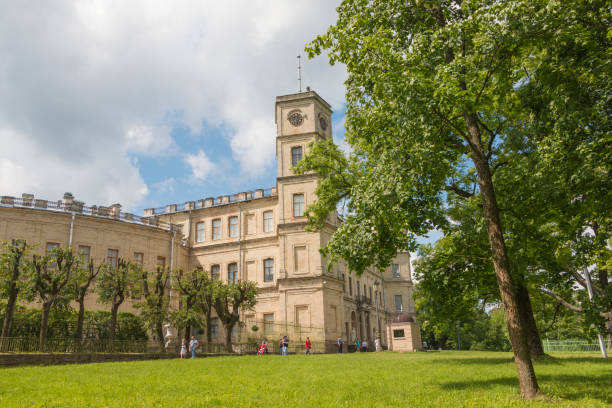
[339,345]
[193,345]
[285,346]
[358,345]
[364,346]
[308,345]
[183,352]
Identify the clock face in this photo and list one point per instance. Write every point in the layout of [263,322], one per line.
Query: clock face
[323,122]
[295,118]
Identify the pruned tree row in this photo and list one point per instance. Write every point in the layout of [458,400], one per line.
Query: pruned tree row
[60,277]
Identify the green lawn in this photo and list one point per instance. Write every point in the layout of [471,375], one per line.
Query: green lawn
[435,379]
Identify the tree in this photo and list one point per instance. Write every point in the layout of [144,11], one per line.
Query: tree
[83,277]
[154,307]
[13,279]
[113,286]
[432,101]
[51,275]
[229,300]
[197,295]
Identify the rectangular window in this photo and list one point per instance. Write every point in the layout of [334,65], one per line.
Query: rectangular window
[233,227]
[232,272]
[343,284]
[395,269]
[214,327]
[298,205]
[268,270]
[161,261]
[398,333]
[350,286]
[138,258]
[358,289]
[398,303]
[84,254]
[111,257]
[200,231]
[216,229]
[371,294]
[296,155]
[215,272]
[269,323]
[50,247]
[268,221]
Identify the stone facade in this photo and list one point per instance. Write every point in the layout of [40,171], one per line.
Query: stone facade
[258,235]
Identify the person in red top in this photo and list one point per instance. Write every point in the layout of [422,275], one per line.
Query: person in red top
[308,345]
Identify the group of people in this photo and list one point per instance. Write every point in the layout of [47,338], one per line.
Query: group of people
[263,347]
[283,346]
[361,345]
[193,345]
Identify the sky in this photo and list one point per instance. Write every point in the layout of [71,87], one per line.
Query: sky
[147,103]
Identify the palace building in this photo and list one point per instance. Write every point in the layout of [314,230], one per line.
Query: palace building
[256,235]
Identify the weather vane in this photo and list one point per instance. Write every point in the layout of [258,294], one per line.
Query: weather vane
[299,58]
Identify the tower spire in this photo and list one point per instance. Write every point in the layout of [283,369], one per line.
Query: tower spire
[299,58]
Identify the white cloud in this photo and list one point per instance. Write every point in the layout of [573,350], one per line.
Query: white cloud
[84,84]
[165,186]
[200,164]
[148,140]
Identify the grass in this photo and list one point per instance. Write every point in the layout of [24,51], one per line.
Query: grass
[436,379]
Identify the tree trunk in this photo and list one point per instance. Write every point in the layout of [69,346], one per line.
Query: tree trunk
[531,329]
[160,334]
[228,337]
[208,333]
[10,305]
[44,323]
[518,339]
[80,320]
[113,326]
[8,313]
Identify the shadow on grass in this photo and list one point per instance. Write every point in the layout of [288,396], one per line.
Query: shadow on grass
[570,387]
[471,360]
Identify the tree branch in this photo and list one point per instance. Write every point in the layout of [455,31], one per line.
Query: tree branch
[458,191]
[561,300]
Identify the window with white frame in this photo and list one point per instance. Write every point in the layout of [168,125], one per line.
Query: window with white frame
[268,270]
[216,229]
[298,205]
[200,231]
[233,227]
[268,221]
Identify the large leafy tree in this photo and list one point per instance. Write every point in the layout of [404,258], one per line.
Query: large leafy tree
[153,286]
[113,285]
[434,103]
[51,275]
[229,300]
[13,279]
[430,94]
